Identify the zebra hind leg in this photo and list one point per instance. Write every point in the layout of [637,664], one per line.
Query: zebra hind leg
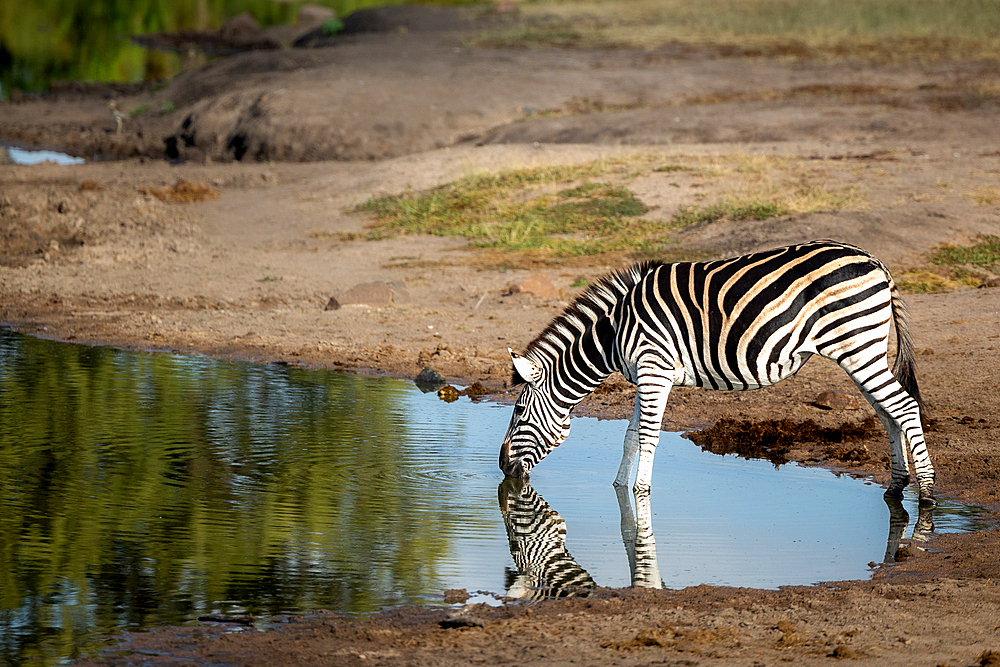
[900,414]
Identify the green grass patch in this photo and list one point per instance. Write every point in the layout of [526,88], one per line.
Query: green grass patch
[729,210]
[983,254]
[521,210]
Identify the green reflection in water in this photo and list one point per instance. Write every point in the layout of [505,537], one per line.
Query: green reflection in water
[142,490]
[82,40]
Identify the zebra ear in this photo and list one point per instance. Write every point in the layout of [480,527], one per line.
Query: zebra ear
[529,371]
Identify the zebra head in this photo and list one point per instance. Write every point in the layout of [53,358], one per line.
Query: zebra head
[539,423]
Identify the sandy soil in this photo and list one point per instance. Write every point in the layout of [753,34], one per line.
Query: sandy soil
[90,253]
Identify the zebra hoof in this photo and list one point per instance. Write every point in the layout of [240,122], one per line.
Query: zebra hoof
[927,499]
[894,492]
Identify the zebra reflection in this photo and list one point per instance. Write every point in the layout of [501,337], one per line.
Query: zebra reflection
[637,536]
[899,519]
[545,569]
[537,538]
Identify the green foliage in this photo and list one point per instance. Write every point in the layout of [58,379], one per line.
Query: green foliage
[81,40]
[332,26]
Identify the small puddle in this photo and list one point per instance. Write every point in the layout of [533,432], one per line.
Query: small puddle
[141,490]
[14,155]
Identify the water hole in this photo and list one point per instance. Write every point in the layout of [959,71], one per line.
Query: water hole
[143,489]
[13,155]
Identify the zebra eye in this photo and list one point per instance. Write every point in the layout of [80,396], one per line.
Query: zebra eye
[518,410]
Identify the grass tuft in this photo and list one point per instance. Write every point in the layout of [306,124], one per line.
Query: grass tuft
[955,267]
[984,254]
[730,210]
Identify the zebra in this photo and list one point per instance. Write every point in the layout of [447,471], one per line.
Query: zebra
[536,535]
[732,324]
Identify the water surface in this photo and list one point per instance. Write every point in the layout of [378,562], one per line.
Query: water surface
[15,155]
[149,489]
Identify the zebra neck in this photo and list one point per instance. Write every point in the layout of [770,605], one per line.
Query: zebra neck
[577,370]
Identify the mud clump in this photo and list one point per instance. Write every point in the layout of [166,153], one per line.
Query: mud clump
[612,387]
[850,454]
[475,391]
[989,658]
[772,439]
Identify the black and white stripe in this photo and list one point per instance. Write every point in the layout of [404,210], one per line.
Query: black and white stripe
[733,324]
[537,538]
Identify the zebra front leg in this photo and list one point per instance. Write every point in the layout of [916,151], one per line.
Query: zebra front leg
[629,449]
[654,381]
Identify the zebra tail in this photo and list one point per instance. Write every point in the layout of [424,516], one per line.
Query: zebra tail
[904,368]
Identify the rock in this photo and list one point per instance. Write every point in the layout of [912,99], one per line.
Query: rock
[456,596]
[459,621]
[376,294]
[837,400]
[313,15]
[537,284]
[406,18]
[429,380]
[332,304]
[241,28]
[400,295]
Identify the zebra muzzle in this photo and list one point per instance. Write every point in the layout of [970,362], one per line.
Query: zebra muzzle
[516,469]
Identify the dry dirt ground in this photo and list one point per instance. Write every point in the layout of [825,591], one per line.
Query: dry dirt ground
[90,254]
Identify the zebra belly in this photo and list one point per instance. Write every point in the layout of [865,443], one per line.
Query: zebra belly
[774,373]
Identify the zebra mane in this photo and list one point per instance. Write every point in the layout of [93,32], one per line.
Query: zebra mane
[587,308]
